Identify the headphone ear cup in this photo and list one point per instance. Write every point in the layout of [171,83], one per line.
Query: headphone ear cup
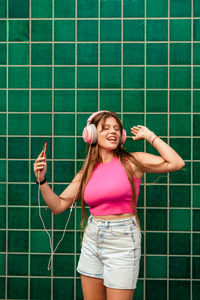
[90,134]
[123,137]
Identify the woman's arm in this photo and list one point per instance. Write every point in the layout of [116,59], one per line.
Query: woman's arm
[169,160]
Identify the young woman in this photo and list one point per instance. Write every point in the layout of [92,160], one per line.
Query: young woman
[109,184]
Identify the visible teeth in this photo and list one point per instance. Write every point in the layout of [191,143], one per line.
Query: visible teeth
[112,139]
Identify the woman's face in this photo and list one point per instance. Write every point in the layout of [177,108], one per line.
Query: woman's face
[109,137]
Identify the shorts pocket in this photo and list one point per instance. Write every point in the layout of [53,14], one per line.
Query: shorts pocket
[123,230]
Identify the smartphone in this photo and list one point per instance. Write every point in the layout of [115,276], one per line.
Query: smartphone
[45,149]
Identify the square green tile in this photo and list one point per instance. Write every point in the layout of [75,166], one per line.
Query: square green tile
[22,167]
[180,77]
[133,77]
[110,30]
[87,77]
[133,9]
[17,288]
[18,194]
[157,123]
[196,51]
[3,79]
[3,13]
[196,8]
[196,122]
[196,78]
[81,149]
[157,11]
[3,216]
[3,101]
[87,30]
[63,287]
[182,146]
[87,9]
[133,54]
[64,124]
[196,166]
[64,54]
[196,243]
[36,222]
[64,30]
[67,245]
[18,241]
[180,54]
[179,244]
[18,124]
[180,30]
[41,54]
[3,51]
[41,30]
[195,290]
[180,101]
[87,101]
[18,9]
[129,120]
[38,267]
[133,101]
[41,8]
[156,101]
[180,124]
[179,219]
[156,266]
[64,148]
[18,77]
[39,242]
[157,30]
[110,54]
[196,145]
[196,30]
[110,77]
[18,147]
[133,30]
[156,289]
[60,221]
[64,77]
[41,101]
[157,77]
[18,54]
[3,147]
[40,288]
[183,175]
[156,219]
[18,218]
[177,288]
[110,100]
[87,54]
[180,8]
[41,77]
[64,9]
[61,174]
[18,30]
[18,100]
[41,128]
[179,267]
[3,32]
[64,101]
[3,193]
[156,243]
[156,54]
[59,261]
[154,194]
[110,9]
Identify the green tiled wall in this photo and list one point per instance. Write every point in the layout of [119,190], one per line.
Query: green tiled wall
[61,60]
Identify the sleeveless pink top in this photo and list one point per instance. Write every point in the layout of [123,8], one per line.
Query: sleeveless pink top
[108,190]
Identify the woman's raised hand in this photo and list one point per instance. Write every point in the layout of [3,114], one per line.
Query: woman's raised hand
[40,166]
[141,132]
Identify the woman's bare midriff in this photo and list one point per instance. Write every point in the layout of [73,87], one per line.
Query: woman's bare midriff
[113,217]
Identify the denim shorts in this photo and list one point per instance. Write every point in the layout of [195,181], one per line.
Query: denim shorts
[111,250]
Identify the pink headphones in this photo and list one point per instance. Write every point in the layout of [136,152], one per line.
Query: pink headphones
[90,132]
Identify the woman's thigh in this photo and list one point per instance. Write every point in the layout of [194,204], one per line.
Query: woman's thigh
[93,288]
[119,294]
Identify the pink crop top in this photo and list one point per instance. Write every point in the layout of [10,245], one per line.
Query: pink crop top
[108,190]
